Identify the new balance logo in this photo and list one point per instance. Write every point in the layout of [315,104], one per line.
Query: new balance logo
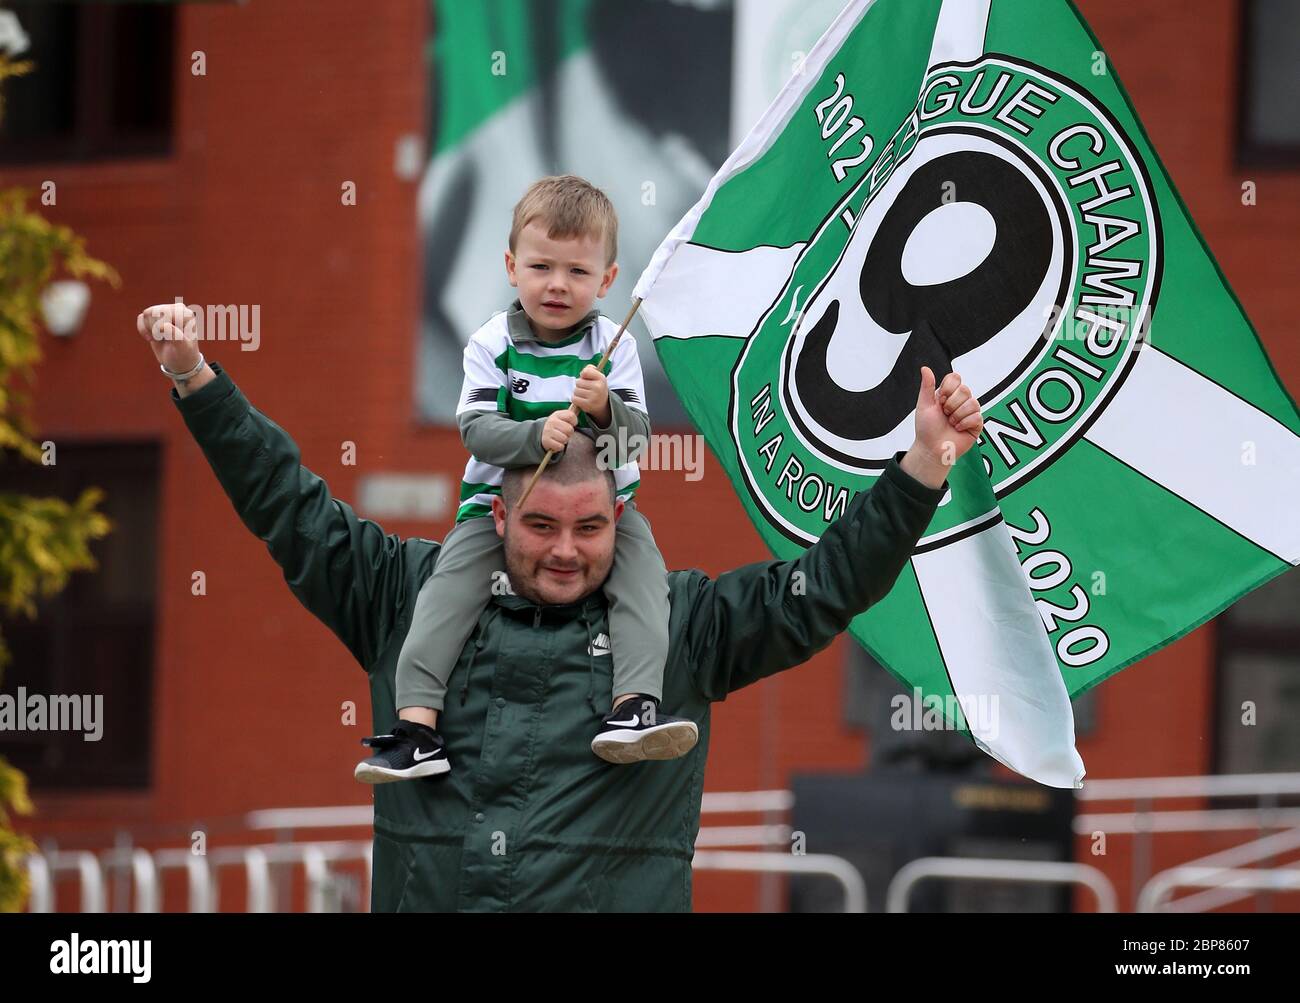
[519,385]
[600,645]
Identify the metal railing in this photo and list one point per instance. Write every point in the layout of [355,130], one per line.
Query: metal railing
[825,864]
[1264,848]
[1146,822]
[284,822]
[1163,884]
[986,869]
[44,869]
[263,863]
[1211,785]
[740,848]
[317,860]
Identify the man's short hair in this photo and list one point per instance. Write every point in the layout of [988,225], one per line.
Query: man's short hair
[576,465]
[569,207]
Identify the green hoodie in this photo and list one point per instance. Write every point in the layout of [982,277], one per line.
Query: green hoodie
[529,819]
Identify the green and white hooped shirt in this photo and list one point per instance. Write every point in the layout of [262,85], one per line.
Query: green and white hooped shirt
[508,370]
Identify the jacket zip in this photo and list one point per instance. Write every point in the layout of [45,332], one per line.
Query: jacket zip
[478,646]
[464,689]
[591,665]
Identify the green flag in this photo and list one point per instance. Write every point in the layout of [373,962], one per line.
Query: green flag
[964,184]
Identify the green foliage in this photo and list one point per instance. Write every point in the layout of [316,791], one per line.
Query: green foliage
[9,68]
[42,540]
[13,845]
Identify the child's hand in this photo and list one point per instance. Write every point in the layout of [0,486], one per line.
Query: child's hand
[559,426]
[592,395]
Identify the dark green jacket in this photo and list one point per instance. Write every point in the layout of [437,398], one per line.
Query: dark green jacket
[529,819]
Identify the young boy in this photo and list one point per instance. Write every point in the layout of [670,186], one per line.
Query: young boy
[522,369]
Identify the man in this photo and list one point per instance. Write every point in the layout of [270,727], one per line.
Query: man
[534,822]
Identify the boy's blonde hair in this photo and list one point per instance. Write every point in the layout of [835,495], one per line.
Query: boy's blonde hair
[570,207]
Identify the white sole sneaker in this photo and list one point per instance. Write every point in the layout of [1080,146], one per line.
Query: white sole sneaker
[368,773]
[633,745]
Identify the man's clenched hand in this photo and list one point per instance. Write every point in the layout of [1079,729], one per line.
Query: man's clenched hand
[171,330]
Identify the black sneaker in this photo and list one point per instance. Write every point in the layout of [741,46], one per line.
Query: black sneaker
[635,731]
[412,750]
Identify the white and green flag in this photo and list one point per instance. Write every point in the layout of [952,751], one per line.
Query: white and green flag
[964,184]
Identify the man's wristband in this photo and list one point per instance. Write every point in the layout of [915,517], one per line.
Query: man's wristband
[182,377]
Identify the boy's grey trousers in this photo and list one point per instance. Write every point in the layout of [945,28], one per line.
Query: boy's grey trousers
[451,600]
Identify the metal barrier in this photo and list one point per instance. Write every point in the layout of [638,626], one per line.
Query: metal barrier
[316,859]
[287,819]
[257,871]
[1262,879]
[855,889]
[144,875]
[742,835]
[200,882]
[1145,822]
[1211,785]
[1248,853]
[733,802]
[43,870]
[260,863]
[984,869]
[1204,820]
[41,884]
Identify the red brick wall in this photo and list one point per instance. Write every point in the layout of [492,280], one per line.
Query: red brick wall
[300,97]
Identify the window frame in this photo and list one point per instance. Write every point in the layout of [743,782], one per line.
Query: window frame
[1248,153]
[130,771]
[92,136]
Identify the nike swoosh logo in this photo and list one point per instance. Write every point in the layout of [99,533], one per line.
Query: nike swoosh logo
[626,724]
[428,755]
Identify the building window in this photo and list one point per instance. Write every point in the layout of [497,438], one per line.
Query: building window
[95,638]
[101,87]
[1269,128]
[1258,663]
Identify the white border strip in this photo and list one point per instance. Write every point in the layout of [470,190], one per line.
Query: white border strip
[959,35]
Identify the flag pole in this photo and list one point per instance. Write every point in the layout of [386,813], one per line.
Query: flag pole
[636,305]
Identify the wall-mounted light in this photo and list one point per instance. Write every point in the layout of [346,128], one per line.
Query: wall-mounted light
[408,156]
[13,40]
[63,305]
